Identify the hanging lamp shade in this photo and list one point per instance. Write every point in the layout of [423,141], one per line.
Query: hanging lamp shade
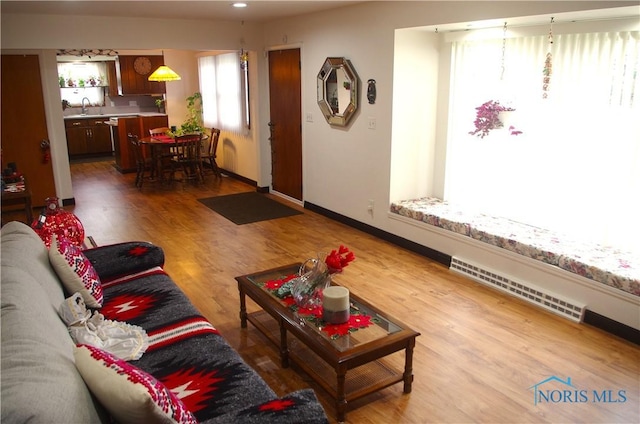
[164,73]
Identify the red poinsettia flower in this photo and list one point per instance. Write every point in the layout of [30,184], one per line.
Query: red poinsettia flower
[354,323]
[338,259]
[276,284]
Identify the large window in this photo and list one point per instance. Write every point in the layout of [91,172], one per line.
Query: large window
[576,166]
[224,89]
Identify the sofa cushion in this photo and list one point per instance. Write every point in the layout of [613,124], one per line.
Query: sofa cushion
[23,249]
[121,259]
[39,380]
[130,394]
[75,271]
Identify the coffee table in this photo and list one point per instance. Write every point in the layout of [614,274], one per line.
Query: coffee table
[348,366]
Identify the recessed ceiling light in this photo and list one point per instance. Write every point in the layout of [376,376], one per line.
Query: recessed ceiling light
[239,5]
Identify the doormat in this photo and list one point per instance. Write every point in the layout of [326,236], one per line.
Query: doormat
[245,208]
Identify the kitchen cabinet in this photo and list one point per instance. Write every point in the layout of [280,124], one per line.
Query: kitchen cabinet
[87,137]
[139,125]
[112,77]
[133,79]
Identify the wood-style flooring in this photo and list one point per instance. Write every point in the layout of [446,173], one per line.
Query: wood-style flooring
[480,351]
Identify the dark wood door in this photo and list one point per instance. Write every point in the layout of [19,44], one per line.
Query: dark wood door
[24,125]
[286,122]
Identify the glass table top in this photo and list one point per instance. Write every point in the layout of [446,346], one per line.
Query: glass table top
[366,323]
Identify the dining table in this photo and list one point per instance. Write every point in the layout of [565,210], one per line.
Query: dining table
[159,147]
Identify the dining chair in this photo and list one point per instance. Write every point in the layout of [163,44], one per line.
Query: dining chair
[209,155]
[142,163]
[163,158]
[187,158]
[159,131]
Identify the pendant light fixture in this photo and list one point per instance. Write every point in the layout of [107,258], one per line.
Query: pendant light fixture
[163,74]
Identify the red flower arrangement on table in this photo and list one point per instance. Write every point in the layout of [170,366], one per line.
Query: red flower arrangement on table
[335,262]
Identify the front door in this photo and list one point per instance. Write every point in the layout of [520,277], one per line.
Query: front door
[286,122]
[24,125]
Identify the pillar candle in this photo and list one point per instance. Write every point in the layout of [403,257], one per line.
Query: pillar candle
[335,298]
[335,304]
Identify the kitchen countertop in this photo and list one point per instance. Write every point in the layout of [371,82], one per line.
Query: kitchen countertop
[113,115]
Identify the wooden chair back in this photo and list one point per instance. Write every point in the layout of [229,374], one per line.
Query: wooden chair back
[159,131]
[210,155]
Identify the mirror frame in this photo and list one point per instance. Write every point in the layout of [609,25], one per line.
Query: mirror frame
[331,64]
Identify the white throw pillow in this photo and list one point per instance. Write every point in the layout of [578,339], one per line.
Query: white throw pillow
[75,271]
[128,393]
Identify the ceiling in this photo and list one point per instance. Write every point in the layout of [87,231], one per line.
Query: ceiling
[218,10]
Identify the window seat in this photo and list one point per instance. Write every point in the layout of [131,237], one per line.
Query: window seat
[613,267]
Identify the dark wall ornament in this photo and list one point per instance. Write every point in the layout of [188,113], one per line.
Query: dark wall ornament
[371,91]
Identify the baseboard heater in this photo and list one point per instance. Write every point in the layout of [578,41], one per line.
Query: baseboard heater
[527,291]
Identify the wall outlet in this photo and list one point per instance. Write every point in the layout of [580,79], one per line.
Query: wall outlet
[370,206]
[133,103]
[309,117]
[371,123]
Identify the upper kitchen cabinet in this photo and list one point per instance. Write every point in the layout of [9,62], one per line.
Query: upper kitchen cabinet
[133,72]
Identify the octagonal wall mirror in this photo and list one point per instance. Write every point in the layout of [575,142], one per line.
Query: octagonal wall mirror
[338,90]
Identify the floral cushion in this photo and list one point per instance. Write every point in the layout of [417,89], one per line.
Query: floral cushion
[128,393]
[75,271]
[613,267]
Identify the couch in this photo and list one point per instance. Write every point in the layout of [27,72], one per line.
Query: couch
[40,381]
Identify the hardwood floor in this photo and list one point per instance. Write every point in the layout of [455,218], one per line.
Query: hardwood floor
[479,354]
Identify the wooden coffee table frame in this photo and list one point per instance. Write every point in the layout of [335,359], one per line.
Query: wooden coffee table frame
[317,356]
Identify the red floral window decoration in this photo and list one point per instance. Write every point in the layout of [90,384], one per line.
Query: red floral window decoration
[488,118]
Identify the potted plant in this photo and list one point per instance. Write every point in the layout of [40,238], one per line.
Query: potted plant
[488,118]
[160,105]
[193,123]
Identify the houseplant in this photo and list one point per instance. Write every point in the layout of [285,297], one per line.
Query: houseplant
[193,123]
[160,105]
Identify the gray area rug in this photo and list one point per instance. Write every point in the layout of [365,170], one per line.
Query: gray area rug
[245,208]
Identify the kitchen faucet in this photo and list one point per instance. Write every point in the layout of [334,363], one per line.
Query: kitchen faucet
[84,108]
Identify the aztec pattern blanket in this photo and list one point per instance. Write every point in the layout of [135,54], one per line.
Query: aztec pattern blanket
[186,352]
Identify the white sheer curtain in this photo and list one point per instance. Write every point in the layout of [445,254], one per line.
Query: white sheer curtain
[576,166]
[220,86]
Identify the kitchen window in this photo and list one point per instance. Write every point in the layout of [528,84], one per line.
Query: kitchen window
[78,80]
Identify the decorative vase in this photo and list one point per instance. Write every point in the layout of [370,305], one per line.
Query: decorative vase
[54,220]
[313,278]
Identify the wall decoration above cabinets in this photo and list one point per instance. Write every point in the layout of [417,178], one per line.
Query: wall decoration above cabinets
[338,86]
